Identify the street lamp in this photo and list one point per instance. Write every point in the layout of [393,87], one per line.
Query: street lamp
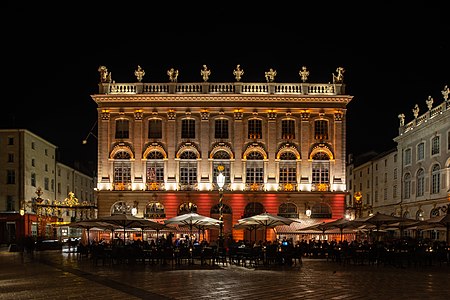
[220,183]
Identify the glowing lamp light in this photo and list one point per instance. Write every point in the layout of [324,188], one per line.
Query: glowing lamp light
[22,212]
[308,212]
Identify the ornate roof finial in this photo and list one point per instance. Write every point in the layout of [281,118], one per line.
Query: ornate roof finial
[429,102]
[238,73]
[270,75]
[445,92]
[339,78]
[416,111]
[205,73]
[105,76]
[402,119]
[139,73]
[173,75]
[304,73]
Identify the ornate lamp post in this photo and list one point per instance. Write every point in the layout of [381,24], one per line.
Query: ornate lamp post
[220,183]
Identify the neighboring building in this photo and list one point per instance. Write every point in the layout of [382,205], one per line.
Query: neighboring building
[412,180]
[31,172]
[282,146]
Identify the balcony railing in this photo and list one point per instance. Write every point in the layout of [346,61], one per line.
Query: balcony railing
[223,88]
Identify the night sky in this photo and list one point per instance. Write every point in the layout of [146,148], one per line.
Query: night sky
[394,57]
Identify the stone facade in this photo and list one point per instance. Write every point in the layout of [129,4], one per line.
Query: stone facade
[282,144]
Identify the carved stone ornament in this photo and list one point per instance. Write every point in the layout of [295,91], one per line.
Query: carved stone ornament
[270,75]
[205,73]
[105,76]
[238,72]
[139,73]
[339,78]
[429,102]
[173,75]
[416,111]
[304,73]
[445,92]
[402,119]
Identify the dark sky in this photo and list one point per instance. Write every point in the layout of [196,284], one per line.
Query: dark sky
[394,57]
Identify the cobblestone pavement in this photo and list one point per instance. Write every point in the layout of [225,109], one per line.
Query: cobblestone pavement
[58,275]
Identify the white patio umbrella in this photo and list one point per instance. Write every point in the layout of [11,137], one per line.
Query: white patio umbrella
[266,220]
[192,220]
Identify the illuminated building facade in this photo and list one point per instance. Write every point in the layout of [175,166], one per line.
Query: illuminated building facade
[32,174]
[282,146]
[413,179]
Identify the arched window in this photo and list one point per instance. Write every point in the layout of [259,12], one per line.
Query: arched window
[321,211]
[420,182]
[435,179]
[121,207]
[254,168]
[188,168]
[288,210]
[226,209]
[187,207]
[288,168]
[321,171]
[154,210]
[122,171]
[253,209]
[434,212]
[154,167]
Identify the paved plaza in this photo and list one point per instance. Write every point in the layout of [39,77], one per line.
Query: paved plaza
[60,275]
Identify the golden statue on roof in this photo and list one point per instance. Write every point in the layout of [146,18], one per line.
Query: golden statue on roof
[205,73]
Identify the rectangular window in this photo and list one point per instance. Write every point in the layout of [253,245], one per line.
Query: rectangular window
[395,173]
[420,151]
[375,196]
[407,160]
[122,129]
[254,172]
[122,172]
[10,177]
[435,145]
[385,193]
[188,129]
[32,145]
[33,179]
[288,129]
[10,141]
[155,171]
[321,130]
[288,173]
[221,129]
[10,203]
[10,157]
[188,173]
[59,187]
[321,172]
[254,129]
[154,129]
[46,183]
[394,191]
[33,164]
